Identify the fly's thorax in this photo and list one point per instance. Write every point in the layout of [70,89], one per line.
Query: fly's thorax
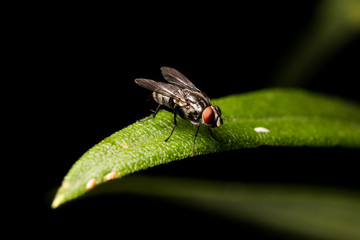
[193,96]
[196,103]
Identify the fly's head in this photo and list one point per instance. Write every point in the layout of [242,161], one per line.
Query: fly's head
[211,116]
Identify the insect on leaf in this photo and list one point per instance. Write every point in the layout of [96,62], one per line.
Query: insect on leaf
[272,117]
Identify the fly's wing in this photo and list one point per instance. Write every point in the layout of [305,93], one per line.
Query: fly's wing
[173,76]
[163,88]
[177,78]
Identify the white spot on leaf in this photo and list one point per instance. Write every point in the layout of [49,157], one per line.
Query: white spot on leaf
[65,185]
[91,183]
[111,176]
[261,129]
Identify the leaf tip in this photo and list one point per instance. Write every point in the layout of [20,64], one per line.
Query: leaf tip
[58,200]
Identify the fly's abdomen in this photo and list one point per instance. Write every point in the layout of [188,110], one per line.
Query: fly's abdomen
[163,100]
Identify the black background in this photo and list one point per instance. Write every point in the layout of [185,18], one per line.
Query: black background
[80,63]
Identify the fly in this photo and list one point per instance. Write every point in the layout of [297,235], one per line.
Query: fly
[181,97]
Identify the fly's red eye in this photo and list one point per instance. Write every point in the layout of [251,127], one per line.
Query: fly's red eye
[208,115]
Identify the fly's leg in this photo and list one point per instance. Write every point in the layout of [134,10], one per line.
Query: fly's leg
[196,133]
[172,131]
[154,114]
[212,135]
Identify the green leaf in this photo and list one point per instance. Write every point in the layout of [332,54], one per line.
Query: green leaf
[335,24]
[274,117]
[313,212]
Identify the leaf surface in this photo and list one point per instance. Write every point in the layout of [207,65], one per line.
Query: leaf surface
[273,117]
